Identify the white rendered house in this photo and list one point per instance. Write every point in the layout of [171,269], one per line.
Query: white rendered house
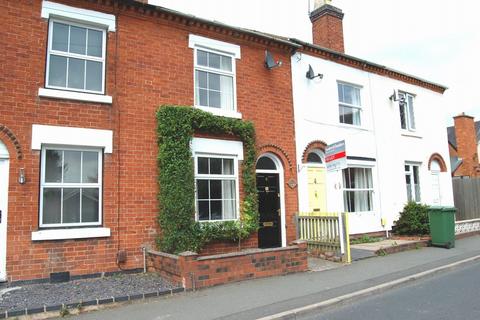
[395,143]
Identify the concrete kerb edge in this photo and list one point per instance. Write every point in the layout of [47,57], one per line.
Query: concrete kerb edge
[291,314]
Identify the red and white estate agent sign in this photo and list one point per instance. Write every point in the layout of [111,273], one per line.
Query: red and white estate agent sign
[336,156]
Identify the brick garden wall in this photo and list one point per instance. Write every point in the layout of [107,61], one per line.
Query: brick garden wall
[205,271]
[148,64]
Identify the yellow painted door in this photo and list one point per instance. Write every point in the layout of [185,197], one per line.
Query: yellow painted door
[317,197]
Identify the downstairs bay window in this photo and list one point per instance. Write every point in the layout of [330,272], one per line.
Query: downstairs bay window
[357,189]
[216,182]
[71,187]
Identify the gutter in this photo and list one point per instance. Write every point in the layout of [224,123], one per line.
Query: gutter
[364,62]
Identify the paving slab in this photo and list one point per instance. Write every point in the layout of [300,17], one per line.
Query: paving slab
[317,264]
[360,254]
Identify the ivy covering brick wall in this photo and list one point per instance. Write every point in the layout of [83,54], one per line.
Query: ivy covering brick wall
[180,232]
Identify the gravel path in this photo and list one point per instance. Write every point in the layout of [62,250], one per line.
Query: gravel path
[38,295]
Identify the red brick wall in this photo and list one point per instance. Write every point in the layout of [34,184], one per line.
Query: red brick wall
[466,137]
[197,272]
[148,64]
[167,265]
[328,32]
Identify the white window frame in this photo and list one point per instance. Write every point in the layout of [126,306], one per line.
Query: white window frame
[85,57]
[348,105]
[233,177]
[372,189]
[220,48]
[410,172]
[98,185]
[408,111]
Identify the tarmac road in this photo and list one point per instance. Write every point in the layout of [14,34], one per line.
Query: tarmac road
[449,295]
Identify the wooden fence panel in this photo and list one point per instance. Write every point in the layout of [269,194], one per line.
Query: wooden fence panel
[466,196]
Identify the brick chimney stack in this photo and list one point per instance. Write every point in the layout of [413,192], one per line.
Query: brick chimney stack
[466,137]
[327,26]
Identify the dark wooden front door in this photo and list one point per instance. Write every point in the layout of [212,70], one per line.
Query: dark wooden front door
[269,234]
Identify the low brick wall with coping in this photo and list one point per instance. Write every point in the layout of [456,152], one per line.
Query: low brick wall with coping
[192,271]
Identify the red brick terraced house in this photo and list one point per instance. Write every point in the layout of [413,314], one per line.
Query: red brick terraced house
[80,83]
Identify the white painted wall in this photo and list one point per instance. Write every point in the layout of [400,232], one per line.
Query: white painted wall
[380,137]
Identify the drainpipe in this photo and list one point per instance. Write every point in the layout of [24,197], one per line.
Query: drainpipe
[144,250]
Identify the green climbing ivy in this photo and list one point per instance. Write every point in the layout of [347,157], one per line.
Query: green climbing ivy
[179,230]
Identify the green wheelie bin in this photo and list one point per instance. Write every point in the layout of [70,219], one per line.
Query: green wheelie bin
[442,226]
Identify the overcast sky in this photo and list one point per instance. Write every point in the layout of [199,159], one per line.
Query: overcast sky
[438,40]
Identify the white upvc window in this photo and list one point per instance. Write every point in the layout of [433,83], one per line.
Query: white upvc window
[216,187]
[412,179]
[71,187]
[76,57]
[350,105]
[215,75]
[407,114]
[214,80]
[357,189]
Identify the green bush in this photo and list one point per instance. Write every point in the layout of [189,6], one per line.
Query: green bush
[413,220]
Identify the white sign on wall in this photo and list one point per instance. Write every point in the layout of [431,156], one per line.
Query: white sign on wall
[336,156]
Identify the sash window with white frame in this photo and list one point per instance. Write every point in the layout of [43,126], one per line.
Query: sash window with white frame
[214,79]
[76,57]
[357,189]
[407,114]
[350,106]
[412,180]
[216,183]
[71,187]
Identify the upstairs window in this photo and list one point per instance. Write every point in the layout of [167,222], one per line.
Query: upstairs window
[214,80]
[76,57]
[407,115]
[412,180]
[350,106]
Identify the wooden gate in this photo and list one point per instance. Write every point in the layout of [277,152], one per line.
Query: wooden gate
[325,232]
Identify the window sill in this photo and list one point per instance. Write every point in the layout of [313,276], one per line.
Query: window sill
[352,126]
[66,234]
[221,112]
[411,134]
[71,95]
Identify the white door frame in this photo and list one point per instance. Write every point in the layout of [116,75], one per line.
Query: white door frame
[281,183]
[4,171]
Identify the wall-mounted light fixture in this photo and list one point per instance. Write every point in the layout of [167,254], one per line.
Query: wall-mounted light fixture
[311,74]
[21,176]
[270,62]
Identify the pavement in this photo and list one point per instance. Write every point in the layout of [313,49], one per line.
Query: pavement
[265,297]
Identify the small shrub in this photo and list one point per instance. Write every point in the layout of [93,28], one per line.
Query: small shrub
[64,311]
[413,220]
[382,252]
